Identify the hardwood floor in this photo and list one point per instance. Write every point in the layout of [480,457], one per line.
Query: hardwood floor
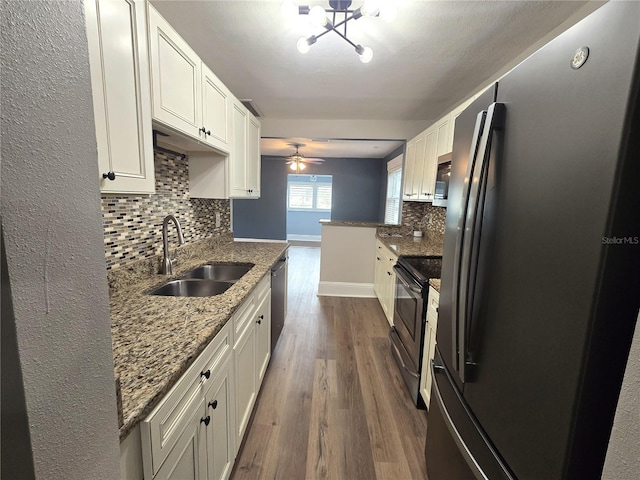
[332,404]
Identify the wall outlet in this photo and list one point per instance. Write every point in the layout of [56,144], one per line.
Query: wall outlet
[218,218]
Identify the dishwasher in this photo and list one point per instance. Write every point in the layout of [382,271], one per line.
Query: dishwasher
[278,298]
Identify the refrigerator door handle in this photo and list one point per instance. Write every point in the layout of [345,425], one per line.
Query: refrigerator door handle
[475,143]
[455,434]
[494,121]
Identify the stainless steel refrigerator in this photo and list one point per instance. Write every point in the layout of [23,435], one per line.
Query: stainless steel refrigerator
[541,268]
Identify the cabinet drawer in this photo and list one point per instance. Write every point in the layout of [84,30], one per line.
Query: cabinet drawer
[263,288]
[243,317]
[163,427]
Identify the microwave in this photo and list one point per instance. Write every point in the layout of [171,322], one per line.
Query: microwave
[443,174]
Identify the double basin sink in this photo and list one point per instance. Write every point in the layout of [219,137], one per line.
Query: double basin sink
[204,281]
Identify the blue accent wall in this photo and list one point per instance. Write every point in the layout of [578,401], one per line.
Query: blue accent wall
[358,186]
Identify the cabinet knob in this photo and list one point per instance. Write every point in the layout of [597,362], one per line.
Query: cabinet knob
[378,258]
[213,404]
[206,374]
[203,130]
[208,132]
[110,175]
[260,318]
[205,420]
[389,273]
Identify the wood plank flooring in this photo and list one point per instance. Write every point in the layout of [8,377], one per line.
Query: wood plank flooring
[333,404]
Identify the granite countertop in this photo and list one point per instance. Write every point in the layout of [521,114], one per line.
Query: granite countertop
[435,283]
[409,245]
[156,338]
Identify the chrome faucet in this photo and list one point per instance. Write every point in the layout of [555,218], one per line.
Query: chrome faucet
[167,263]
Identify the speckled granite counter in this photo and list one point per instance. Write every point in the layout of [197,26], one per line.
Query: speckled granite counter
[435,283]
[408,245]
[156,338]
[341,223]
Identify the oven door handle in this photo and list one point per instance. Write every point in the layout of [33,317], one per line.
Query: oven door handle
[404,365]
[399,275]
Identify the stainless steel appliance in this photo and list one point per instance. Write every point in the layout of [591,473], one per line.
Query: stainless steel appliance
[278,298]
[443,175]
[541,266]
[409,317]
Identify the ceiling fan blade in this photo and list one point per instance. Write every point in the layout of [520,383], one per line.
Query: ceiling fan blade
[314,160]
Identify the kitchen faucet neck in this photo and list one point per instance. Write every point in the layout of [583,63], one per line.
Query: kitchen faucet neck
[167,263]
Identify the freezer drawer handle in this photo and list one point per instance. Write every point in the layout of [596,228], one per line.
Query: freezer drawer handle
[464,450]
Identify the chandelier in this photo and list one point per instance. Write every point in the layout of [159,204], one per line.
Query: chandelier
[335,20]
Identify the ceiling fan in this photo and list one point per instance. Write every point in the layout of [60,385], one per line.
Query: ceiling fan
[297,161]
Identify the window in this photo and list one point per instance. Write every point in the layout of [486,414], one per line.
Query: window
[394,191]
[309,192]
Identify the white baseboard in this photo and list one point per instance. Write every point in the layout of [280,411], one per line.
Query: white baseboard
[345,289]
[259,240]
[304,238]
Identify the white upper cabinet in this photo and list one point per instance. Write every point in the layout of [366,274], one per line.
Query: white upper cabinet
[176,73]
[216,104]
[409,194]
[430,166]
[116,35]
[187,95]
[244,159]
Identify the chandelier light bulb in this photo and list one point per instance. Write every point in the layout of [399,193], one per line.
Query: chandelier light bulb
[301,166]
[388,11]
[303,45]
[318,16]
[370,8]
[365,53]
[293,166]
[289,9]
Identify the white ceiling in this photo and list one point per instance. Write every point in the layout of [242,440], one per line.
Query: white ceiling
[431,57]
[328,148]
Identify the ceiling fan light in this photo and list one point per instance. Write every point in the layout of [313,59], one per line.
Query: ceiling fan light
[365,53]
[318,16]
[301,166]
[293,166]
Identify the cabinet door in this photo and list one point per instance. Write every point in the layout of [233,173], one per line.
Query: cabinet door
[220,431]
[188,458]
[430,166]
[253,157]
[419,166]
[409,167]
[238,154]
[263,337]
[378,275]
[390,286]
[175,76]
[117,40]
[443,136]
[216,105]
[245,359]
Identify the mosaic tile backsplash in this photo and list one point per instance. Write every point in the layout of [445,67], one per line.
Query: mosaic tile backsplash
[133,223]
[425,217]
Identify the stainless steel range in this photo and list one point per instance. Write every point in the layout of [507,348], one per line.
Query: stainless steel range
[409,317]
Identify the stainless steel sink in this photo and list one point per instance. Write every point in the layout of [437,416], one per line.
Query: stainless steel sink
[192,288]
[228,272]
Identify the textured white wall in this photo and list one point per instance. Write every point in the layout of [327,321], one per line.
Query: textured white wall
[53,237]
[623,455]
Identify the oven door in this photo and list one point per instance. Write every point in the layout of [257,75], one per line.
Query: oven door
[408,316]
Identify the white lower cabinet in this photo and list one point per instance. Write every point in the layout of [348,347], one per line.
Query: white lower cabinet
[252,350]
[429,348]
[197,428]
[384,282]
[187,459]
